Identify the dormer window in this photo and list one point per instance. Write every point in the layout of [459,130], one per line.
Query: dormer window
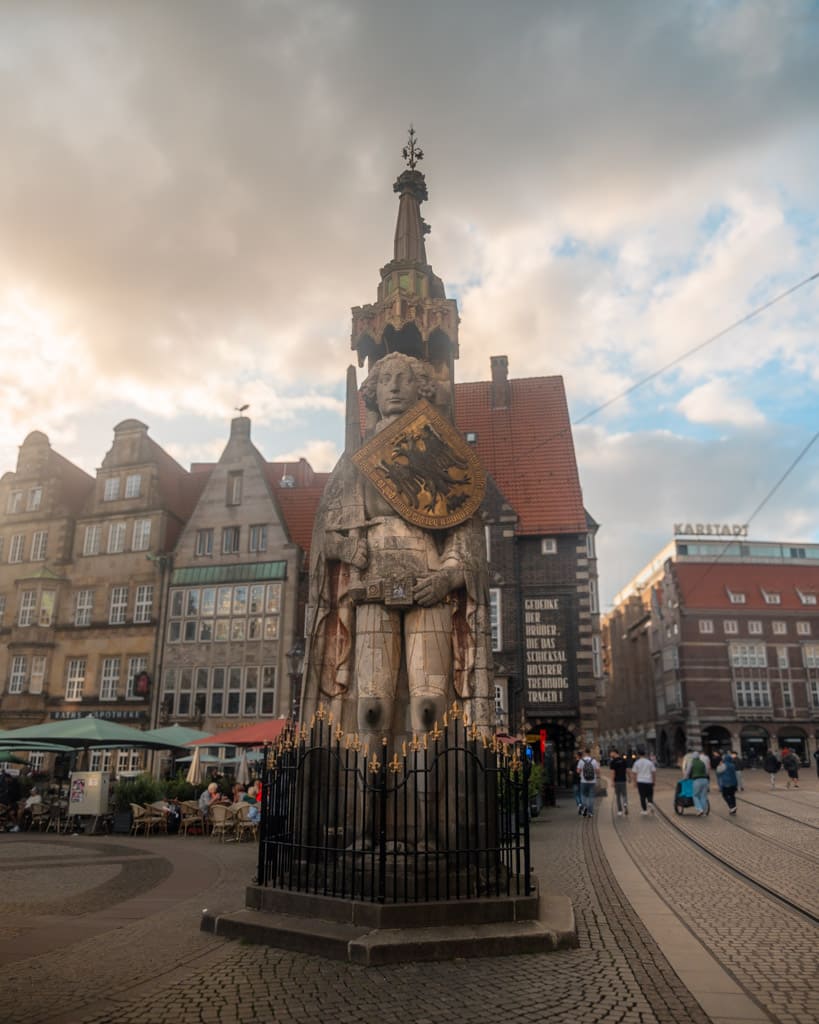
[548,546]
[471,437]
[111,489]
[234,488]
[133,485]
[736,596]
[806,598]
[771,596]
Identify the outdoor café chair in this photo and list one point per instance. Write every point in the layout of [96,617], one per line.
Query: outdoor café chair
[139,820]
[222,821]
[243,825]
[40,815]
[191,817]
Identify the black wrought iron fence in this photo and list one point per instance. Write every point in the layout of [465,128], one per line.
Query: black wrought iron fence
[443,818]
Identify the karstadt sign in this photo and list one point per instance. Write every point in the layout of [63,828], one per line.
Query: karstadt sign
[710,529]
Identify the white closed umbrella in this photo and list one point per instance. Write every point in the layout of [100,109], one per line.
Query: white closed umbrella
[194,775]
[243,771]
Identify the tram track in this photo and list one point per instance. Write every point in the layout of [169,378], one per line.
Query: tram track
[676,822]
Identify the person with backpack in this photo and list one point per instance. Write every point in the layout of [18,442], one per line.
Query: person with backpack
[727,781]
[771,765]
[588,769]
[619,776]
[790,762]
[644,772]
[698,771]
[739,767]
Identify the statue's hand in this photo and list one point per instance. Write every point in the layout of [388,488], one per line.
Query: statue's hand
[432,589]
[361,555]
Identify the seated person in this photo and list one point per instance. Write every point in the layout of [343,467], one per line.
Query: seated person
[209,797]
[31,800]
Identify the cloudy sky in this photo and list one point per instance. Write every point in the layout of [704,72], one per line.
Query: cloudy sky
[193,195]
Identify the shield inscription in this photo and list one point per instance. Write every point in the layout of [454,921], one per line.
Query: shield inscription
[423,467]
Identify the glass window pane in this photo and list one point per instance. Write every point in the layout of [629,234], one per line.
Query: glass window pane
[233,703]
[205,630]
[274,596]
[221,630]
[254,629]
[271,629]
[176,603]
[223,603]
[192,604]
[256,600]
[240,600]
[216,702]
[237,629]
[174,632]
[190,630]
[208,601]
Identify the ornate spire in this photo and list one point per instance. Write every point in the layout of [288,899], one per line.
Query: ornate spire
[412,313]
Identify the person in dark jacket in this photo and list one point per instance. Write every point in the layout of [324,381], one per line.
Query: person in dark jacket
[727,779]
[771,765]
[790,762]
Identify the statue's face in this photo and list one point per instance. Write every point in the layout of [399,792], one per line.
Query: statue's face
[396,390]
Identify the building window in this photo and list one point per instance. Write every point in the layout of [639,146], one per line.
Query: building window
[119,605]
[258,539]
[15,502]
[771,597]
[204,542]
[144,603]
[133,485]
[109,679]
[499,708]
[100,761]
[92,539]
[16,548]
[219,614]
[230,540]
[495,618]
[75,678]
[268,690]
[782,656]
[755,627]
[111,489]
[38,671]
[590,550]
[736,596]
[2,608]
[813,688]
[487,540]
[752,693]
[35,498]
[787,696]
[234,488]
[48,599]
[798,553]
[28,603]
[803,629]
[17,676]
[39,546]
[141,539]
[748,655]
[129,761]
[136,666]
[730,626]
[806,598]
[706,626]
[597,660]
[116,538]
[594,605]
[780,628]
[83,607]
[810,656]
[548,546]
[471,437]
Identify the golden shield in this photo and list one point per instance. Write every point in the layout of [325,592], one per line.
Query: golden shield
[424,468]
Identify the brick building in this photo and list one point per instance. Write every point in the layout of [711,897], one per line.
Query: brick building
[716,641]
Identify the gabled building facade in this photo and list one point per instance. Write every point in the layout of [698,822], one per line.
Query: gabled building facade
[723,639]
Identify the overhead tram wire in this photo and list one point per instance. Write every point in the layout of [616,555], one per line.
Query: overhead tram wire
[674,362]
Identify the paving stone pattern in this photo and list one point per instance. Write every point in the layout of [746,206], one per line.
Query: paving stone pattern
[769,949]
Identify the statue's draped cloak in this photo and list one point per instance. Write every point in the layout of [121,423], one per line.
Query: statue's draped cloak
[341,522]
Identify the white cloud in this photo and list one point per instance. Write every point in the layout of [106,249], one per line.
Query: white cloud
[716,402]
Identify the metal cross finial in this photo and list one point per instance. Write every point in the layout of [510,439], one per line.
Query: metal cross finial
[412,153]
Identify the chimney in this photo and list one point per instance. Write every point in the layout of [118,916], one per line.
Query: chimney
[500,382]
[240,428]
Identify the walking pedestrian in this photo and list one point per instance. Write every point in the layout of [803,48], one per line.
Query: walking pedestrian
[739,766]
[644,772]
[698,771]
[589,771]
[790,762]
[575,782]
[727,780]
[816,759]
[771,764]
[619,776]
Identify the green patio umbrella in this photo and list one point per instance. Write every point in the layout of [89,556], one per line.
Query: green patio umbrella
[175,735]
[80,732]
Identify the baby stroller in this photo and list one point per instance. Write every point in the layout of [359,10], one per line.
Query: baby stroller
[684,797]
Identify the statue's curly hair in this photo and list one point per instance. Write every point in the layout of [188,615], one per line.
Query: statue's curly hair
[421,371]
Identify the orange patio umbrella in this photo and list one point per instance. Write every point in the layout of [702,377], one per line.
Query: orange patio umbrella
[257,734]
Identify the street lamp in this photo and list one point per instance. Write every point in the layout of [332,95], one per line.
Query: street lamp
[295,665]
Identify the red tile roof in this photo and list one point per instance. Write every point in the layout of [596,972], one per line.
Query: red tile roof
[298,506]
[529,450]
[706,585]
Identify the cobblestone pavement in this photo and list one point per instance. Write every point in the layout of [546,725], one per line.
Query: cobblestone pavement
[769,948]
[134,952]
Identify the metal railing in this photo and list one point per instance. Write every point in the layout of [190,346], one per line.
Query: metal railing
[444,818]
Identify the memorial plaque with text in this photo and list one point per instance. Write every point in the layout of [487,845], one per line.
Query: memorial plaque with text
[549,651]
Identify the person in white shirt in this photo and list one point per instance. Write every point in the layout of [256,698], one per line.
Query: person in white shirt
[644,771]
[588,771]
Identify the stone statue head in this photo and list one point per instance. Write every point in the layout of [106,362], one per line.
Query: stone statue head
[419,371]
